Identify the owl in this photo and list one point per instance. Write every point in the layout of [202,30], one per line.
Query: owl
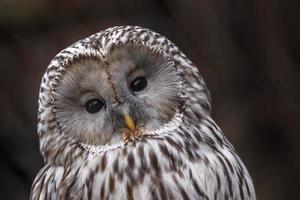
[124,114]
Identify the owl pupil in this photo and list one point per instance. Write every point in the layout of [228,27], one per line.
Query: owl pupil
[138,84]
[93,105]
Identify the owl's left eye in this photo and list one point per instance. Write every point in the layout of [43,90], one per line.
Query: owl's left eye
[138,84]
[93,105]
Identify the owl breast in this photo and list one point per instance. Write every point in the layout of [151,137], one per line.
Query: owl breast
[166,166]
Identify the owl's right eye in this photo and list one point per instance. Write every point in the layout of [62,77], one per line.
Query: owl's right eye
[93,105]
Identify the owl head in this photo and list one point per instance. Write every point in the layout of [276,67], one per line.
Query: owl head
[132,89]
[114,86]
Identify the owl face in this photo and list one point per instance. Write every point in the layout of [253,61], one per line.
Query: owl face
[133,88]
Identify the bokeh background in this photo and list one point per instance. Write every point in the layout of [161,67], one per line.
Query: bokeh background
[247,50]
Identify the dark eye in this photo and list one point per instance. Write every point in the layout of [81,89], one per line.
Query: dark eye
[138,84]
[93,105]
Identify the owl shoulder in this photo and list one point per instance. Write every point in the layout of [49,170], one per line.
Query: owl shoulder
[47,182]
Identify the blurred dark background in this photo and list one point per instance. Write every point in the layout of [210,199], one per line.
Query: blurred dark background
[248,52]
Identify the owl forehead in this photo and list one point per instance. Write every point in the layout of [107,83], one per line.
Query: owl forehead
[100,45]
[121,60]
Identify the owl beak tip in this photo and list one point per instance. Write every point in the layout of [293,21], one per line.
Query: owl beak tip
[129,123]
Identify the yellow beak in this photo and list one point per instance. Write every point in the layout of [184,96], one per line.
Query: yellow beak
[129,122]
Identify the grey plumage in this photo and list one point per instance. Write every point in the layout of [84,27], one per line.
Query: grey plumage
[176,150]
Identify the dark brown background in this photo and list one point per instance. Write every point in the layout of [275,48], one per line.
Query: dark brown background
[248,51]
